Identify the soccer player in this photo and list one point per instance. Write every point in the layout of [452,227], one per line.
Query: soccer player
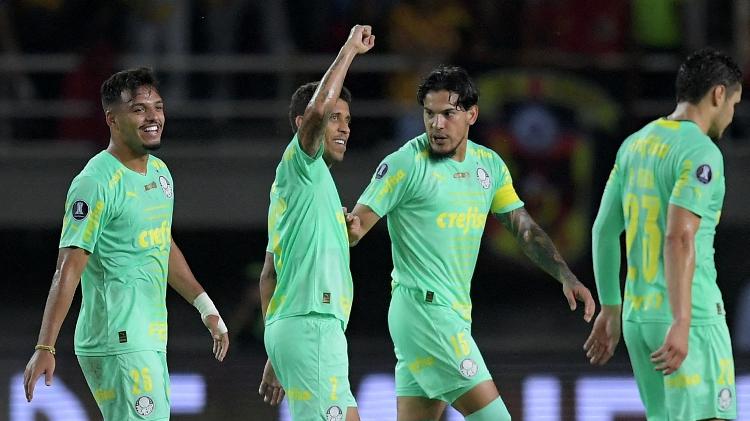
[116,241]
[666,192]
[437,190]
[306,284]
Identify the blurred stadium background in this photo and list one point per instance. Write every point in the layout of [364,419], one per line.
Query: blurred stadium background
[562,82]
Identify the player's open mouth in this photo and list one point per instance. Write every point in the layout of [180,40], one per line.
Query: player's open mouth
[151,129]
[340,142]
[439,139]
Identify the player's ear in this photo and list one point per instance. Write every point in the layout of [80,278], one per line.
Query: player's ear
[109,117]
[473,113]
[298,121]
[718,95]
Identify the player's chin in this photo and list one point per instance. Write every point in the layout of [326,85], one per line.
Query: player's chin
[439,152]
[336,156]
[152,146]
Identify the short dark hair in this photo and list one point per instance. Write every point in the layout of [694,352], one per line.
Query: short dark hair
[703,70]
[126,80]
[302,96]
[452,79]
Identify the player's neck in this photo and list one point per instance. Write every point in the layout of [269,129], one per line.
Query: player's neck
[133,161]
[460,154]
[686,111]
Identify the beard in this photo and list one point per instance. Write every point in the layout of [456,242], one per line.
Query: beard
[443,155]
[154,147]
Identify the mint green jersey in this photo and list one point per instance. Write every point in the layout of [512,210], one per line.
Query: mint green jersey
[307,236]
[666,162]
[437,209]
[124,220]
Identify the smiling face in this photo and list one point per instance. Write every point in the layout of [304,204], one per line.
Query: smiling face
[447,124]
[138,121]
[337,133]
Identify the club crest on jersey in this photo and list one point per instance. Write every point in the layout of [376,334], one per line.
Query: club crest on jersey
[165,186]
[79,210]
[381,171]
[704,174]
[483,177]
[144,406]
[334,413]
[468,368]
[724,400]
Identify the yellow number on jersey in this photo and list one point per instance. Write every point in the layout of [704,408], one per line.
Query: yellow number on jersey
[652,235]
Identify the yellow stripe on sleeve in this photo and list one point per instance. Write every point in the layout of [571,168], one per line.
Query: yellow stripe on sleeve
[504,196]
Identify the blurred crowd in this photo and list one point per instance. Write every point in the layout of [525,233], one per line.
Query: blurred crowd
[481,35]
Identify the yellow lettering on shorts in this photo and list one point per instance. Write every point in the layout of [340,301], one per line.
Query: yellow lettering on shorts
[679,381]
[295,394]
[103,395]
[420,363]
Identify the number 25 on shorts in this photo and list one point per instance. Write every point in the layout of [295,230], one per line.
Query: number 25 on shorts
[141,380]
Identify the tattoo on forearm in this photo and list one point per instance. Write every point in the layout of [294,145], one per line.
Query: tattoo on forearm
[536,244]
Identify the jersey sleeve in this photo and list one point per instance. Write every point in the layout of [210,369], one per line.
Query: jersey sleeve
[605,241]
[86,213]
[390,184]
[297,164]
[698,174]
[301,159]
[505,198]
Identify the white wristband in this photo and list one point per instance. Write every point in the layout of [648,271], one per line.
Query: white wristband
[207,308]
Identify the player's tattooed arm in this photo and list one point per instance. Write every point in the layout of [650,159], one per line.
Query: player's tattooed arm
[536,244]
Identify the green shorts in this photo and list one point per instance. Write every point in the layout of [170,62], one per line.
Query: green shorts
[309,355]
[437,356]
[132,386]
[702,388]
